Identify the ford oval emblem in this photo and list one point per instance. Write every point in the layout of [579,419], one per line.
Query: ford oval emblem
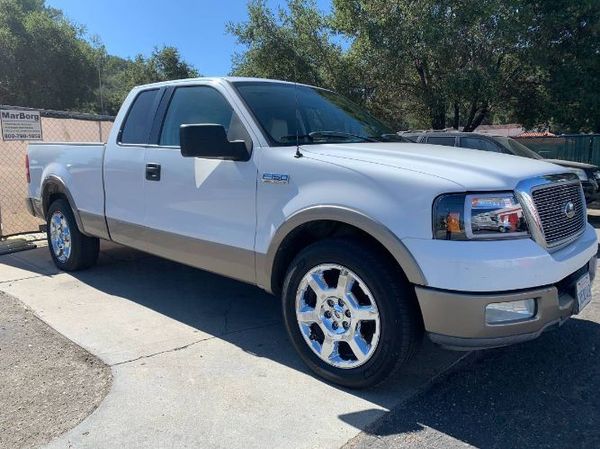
[569,210]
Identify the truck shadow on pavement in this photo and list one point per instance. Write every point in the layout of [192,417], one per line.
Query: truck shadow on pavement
[542,394]
[545,393]
[234,312]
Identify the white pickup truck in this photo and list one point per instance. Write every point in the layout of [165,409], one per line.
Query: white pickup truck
[370,241]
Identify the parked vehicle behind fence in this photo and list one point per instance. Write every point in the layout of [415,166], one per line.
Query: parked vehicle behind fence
[370,242]
[588,174]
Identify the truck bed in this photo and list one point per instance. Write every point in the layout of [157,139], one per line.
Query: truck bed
[76,165]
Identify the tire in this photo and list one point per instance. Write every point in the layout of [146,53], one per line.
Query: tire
[69,248]
[392,330]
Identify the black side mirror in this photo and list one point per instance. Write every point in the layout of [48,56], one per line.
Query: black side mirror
[210,142]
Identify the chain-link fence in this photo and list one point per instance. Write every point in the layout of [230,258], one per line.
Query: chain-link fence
[57,126]
[570,147]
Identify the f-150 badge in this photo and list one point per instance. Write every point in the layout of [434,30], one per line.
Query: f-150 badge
[275,178]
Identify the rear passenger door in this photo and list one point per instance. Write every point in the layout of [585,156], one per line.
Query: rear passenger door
[124,162]
[201,211]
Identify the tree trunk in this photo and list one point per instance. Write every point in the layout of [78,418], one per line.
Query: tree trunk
[473,124]
[456,123]
[438,118]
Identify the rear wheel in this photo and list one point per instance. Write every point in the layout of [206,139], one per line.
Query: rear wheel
[350,315]
[69,248]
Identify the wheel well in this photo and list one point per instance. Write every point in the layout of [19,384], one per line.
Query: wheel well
[51,195]
[311,232]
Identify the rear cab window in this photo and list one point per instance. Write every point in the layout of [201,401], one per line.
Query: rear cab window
[138,123]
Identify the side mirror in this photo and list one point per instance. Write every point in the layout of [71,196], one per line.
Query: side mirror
[210,142]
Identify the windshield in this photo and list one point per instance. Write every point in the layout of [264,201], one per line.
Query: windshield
[288,113]
[518,149]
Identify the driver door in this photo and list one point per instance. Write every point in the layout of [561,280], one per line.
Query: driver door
[201,212]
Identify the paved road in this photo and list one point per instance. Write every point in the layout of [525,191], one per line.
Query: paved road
[197,360]
[202,361]
[541,394]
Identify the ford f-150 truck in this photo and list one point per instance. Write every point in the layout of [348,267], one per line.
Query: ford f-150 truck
[370,241]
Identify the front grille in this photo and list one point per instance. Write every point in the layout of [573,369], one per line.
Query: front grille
[550,202]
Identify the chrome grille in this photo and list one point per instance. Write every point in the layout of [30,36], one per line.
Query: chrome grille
[550,201]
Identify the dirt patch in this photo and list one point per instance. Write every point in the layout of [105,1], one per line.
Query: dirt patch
[48,384]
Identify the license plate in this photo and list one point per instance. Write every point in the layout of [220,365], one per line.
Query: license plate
[583,289]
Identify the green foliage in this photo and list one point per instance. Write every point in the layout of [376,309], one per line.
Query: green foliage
[122,75]
[289,45]
[44,61]
[47,61]
[432,63]
[565,51]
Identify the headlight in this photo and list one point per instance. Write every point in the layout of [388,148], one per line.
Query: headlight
[478,216]
[580,173]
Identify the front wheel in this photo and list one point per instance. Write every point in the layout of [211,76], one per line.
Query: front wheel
[349,313]
[70,249]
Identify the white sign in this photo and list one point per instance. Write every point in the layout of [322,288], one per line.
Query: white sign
[21,125]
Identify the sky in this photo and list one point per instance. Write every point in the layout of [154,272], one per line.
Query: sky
[195,27]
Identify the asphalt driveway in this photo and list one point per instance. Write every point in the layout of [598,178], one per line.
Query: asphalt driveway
[197,360]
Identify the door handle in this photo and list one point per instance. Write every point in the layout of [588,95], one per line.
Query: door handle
[153,172]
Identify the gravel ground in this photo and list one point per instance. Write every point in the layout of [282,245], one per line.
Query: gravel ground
[540,394]
[48,384]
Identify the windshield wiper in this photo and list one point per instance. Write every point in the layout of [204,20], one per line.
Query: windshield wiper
[341,134]
[317,135]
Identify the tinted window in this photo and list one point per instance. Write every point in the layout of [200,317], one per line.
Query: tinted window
[197,105]
[449,141]
[478,143]
[517,148]
[139,119]
[288,112]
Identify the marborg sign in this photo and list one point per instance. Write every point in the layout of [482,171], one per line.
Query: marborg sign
[21,125]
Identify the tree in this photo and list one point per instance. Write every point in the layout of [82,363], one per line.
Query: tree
[44,62]
[293,45]
[121,75]
[432,63]
[446,57]
[565,51]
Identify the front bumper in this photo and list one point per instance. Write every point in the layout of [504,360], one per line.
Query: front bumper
[457,320]
[498,266]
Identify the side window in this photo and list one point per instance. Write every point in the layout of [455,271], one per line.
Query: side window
[449,141]
[478,144]
[197,105]
[138,122]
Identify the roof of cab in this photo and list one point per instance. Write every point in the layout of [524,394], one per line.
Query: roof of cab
[231,79]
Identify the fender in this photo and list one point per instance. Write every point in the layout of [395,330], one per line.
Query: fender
[55,184]
[265,263]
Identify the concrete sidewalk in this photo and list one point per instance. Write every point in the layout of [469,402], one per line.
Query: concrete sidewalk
[197,360]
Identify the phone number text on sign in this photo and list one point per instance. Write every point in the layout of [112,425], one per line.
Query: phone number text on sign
[21,125]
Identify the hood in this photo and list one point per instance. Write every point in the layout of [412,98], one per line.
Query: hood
[572,164]
[471,169]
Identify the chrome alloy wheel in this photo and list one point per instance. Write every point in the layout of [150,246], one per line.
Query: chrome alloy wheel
[338,316]
[60,236]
